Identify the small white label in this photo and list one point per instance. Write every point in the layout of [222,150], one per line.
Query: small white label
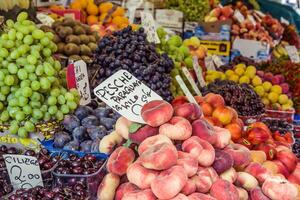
[293,53]
[198,71]
[126,95]
[209,64]
[217,60]
[185,90]
[24,171]
[149,26]
[82,82]
[191,80]
[238,15]
[284,21]
[132,5]
[251,18]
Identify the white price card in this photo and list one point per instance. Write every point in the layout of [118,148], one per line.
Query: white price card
[217,60]
[24,171]
[251,18]
[293,53]
[185,90]
[149,26]
[132,5]
[126,95]
[82,82]
[238,15]
[191,80]
[198,71]
[209,64]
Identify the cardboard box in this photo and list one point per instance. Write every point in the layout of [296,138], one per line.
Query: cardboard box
[219,30]
[170,19]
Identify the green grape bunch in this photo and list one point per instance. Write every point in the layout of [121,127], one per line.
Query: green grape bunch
[31,89]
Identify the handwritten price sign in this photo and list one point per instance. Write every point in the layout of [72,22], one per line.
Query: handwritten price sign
[149,26]
[82,82]
[24,171]
[125,94]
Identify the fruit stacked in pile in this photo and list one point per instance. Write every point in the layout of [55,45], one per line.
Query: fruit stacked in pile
[84,129]
[74,39]
[180,55]
[238,60]
[129,50]
[180,156]
[241,97]
[106,13]
[272,89]
[218,13]
[31,89]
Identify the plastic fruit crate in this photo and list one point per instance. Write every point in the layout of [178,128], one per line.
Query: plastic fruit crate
[279,114]
[92,181]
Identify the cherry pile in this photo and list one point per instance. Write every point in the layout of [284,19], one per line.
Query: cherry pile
[279,125]
[129,50]
[75,192]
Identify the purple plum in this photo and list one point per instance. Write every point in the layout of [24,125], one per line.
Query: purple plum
[83,111]
[96,132]
[90,120]
[70,122]
[107,122]
[79,133]
[85,146]
[73,146]
[60,139]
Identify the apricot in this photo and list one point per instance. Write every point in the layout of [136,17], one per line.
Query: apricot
[258,156]
[223,114]
[235,131]
[215,100]
[207,109]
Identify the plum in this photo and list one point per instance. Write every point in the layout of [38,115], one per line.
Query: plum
[60,139]
[90,120]
[71,122]
[79,133]
[101,112]
[96,132]
[107,122]
[73,146]
[83,111]
[86,145]
[95,146]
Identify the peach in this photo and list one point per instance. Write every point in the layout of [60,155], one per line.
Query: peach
[204,179]
[260,125]
[223,161]
[257,194]
[224,190]
[119,160]
[295,176]
[223,137]
[201,149]
[179,100]
[200,196]
[235,131]
[213,121]
[204,130]
[159,157]
[238,121]
[279,188]
[180,197]
[271,167]
[157,112]
[215,100]
[152,141]
[246,181]
[189,188]
[109,142]
[189,111]
[178,128]
[240,154]
[229,175]
[188,162]
[258,171]
[243,194]
[139,194]
[258,156]
[235,114]
[123,189]
[281,168]
[257,135]
[288,159]
[223,114]
[141,134]
[269,150]
[122,127]
[207,109]
[199,99]
[107,188]
[141,176]
[169,182]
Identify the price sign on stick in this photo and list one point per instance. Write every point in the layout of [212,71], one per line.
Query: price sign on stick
[293,53]
[218,62]
[24,171]
[198,71]
[149,26]
[125,94]
[238,15]
[82,82]
[209,64]
[185,90]
[191,80]
[132,5]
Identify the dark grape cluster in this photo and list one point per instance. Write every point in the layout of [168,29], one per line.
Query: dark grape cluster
[279,125]
[75,192]
[240,97]
[129,50]
[296,147]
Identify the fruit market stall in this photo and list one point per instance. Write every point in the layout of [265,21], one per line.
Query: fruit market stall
[148,100]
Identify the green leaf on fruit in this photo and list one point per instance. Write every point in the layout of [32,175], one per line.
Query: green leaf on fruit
[134,127]
[127,143]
